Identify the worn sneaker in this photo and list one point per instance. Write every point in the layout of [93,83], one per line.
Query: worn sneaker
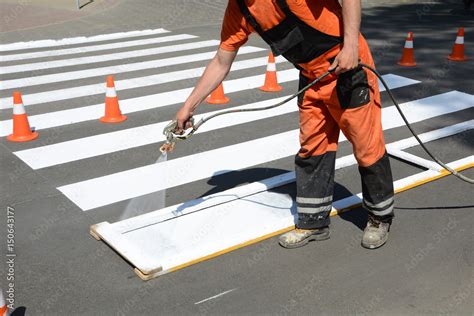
[375,233]
[300,237]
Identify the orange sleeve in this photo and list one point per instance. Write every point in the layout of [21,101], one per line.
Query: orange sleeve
[235,31]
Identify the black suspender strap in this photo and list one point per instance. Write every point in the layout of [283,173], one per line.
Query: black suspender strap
[246,12]
[284,7]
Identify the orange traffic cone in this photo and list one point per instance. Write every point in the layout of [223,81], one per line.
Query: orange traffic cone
[3,305]
[458,48]
[271,82]
[217,96]
[21,127]
[112,108]
[408,59]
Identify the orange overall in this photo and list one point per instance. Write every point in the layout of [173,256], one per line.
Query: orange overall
[349,102]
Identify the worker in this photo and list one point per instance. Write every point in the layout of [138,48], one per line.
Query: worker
[316,36]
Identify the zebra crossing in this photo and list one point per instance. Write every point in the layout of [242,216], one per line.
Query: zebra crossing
[168,58]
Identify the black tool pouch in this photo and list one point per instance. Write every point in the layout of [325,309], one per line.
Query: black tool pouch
[353,88]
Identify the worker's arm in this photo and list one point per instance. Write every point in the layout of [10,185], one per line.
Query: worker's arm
[215,72]
[348,57]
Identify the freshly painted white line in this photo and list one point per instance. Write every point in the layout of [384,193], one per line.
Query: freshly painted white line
[36,80]
[429,136]
[215,296]
[78,40]
[403,183]
[131,183]
[243,191]
[32,99]
[422,162]
[139,82]
[95,48]
[93,112]
[77,149]
[395,81]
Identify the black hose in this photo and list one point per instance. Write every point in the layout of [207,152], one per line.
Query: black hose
[436,159]
[315,81]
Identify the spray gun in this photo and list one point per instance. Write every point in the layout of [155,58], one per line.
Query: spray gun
[171,137]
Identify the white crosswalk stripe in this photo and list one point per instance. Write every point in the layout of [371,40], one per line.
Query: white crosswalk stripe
[95,48]
[96,59]
[104,71]
[132,182]
[78,40]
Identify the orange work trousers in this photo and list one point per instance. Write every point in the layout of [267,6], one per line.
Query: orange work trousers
[349,102]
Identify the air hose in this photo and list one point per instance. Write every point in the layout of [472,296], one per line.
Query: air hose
[171,137]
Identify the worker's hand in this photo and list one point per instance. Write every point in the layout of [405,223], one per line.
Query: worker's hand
[347,59]
[182,117]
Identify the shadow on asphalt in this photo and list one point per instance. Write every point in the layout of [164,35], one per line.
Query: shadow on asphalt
[229,180]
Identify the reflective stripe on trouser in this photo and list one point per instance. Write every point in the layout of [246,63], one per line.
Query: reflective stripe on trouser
[315,185]
[377,187]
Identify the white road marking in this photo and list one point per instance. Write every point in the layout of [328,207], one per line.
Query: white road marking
[139,82]
[93,193]
[31,99]
[82,148]
[215,296]
[36,80]
[78,40]
[95,48]
[154,101]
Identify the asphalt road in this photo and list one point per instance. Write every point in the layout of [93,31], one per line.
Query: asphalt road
[426,268]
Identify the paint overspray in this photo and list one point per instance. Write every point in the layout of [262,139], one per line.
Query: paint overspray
[150,202]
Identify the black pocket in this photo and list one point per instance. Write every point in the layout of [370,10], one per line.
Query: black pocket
[353,88]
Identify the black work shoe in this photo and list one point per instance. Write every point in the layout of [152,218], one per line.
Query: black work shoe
[375,233]
[300,237]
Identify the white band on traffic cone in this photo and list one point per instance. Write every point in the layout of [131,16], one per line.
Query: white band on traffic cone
[409,44]
[18,109]
[460,40]
[271,67]
[111,93]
